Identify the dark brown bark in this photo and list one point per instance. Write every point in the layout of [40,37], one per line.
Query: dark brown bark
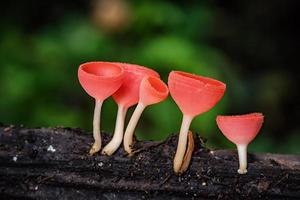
[70,173]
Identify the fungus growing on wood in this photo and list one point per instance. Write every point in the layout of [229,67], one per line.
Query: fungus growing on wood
[241,130]
[100,80]
[194,95]
[152,91]
[126,96]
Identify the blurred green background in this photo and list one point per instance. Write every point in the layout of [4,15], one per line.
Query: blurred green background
[249,45]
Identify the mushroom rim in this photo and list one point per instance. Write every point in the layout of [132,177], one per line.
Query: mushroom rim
[119,74]
[206,81]
[249,116]
[157,85]
[137,69]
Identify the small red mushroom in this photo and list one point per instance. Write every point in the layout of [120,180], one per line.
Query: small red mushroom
[152,91]
[194,95]
[241,130]
[126,96]
[100,80]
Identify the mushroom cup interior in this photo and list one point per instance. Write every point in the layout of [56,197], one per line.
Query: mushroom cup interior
[157,85]
[102,69]
[190,78]
[153,90]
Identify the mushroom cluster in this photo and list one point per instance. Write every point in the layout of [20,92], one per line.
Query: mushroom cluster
[128,84]
[131,84]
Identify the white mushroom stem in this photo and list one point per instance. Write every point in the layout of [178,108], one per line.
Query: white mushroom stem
[242,151]
[96,127]
[128,136]
[116,141]
[182,143]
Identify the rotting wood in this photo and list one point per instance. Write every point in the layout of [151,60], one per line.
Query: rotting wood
[29,170]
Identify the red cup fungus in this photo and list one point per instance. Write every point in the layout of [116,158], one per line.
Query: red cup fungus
[152,90]
[241,130]
[100,80]
[194,95]
[126,96]
[131,84]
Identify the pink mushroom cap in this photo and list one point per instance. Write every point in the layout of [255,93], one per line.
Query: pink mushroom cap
[153,90]
[128,94]
[240,129]
[100,79]
[194,94]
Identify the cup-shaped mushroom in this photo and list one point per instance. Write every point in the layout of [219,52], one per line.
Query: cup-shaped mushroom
[126,96]
[152,90]
[194,94]
[241,130]
[100,80]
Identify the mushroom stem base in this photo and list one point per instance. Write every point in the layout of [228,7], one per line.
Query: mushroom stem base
[242,152]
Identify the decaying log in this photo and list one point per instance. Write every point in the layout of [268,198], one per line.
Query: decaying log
[53,163]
